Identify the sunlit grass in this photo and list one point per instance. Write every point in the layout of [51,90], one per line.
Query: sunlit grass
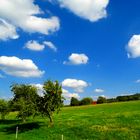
[117,121]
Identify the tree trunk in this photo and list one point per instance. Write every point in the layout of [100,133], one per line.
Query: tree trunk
[23,120]
[51,120]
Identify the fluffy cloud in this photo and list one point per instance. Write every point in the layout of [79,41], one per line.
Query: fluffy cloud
[77,85]
[34,46]
[133,47]
[92,10]
[77,59]
[39,89]
[19,67]
[24,14]
[50,45]
[68,95]
[7,31]
[98,90]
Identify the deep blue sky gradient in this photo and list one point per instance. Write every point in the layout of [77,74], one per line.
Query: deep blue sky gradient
[104,42]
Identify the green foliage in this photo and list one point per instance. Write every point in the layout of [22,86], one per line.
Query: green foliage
[111,100]
[4,108]
[128,97]
[25,100]
[115,121]
[101,100]
[86,101]
[52,100]
[74,102]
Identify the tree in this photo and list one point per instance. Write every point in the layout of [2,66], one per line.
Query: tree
[25,100]
[86,101]
[4,108]
[74,101]
[52,100]
[101,100]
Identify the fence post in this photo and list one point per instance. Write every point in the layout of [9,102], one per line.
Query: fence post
[62,137]
[16,132]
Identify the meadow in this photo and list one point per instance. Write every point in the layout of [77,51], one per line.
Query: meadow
[114,121]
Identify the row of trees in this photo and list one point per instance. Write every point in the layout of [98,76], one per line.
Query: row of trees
[84,101]
[124,98]
[119,98]
[28,103]
[101,100]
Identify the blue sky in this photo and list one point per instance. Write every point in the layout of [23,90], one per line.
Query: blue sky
[92,49]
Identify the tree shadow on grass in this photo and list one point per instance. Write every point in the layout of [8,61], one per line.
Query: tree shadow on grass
[22,127]
[9,121]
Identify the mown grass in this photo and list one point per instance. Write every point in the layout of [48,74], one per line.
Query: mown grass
[117,121]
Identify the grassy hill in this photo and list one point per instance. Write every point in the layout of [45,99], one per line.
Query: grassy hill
[116,121]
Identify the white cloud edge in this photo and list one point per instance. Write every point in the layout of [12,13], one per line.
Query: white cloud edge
[99,90]
[34,45]
[28,19]
[75,84]
[77,59]
[14,66]
[92,10]
[133,47]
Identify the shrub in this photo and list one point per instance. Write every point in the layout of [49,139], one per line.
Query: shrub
[4,108]
[74,102]
[86,101]
[101,100]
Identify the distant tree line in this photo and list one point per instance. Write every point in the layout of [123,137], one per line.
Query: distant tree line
[85,101]
[124,98]
[101,100]
[27,102]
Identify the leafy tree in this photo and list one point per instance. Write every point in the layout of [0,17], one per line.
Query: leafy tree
[128,97]
[4,108]
[74,101]
[52,100]
[25,100]
[101,100]
[86,101]
[111,100]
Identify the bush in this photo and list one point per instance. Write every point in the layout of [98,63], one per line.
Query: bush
[101,100]
[74,102]
[4,108]
[86,101]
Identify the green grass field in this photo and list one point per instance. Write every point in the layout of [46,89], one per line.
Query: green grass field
[117,121]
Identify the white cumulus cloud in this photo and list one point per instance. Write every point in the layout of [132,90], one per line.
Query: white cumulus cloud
[133,47]
[77,85]
[19,67]
[50,45]
[92,10]
[34,46]
[98,90]
[25,14]
[68,95]
[77,59]
[39,89]
[7,31]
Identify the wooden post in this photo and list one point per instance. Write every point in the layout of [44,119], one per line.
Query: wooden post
[16,132]
[62,137]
